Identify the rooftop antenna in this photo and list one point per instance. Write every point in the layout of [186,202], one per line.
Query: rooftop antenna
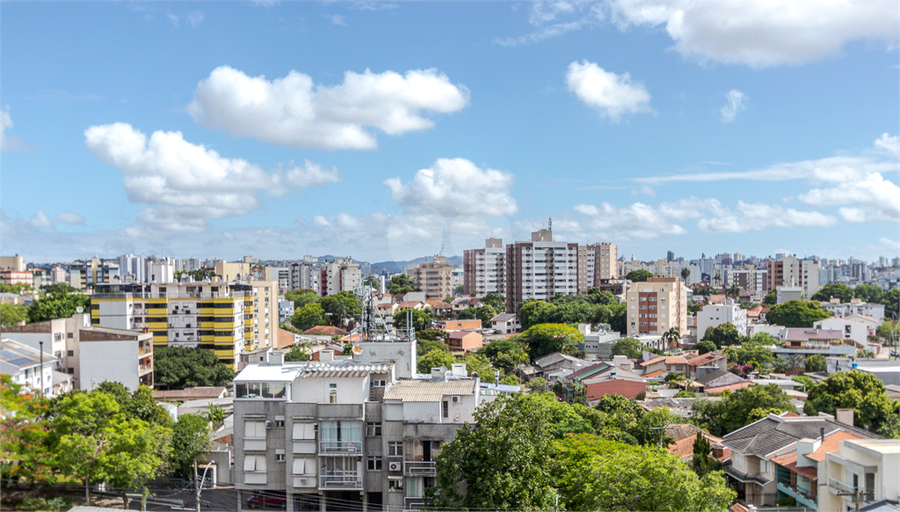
[442,250]
[550,224]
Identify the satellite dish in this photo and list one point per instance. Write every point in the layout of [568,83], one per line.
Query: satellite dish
[357,350]
[79,309]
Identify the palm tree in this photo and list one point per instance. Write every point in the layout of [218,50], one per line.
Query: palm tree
[672,337]
[717,279]
[734,291]
[685,273]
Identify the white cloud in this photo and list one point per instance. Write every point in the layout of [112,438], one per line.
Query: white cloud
[187,184]
[765,32]
[336,19]
[70,218]
[637,220]
[294,112]
[736,103]
[611,94]
[39,221]
[888,143]
[10,143]
[872,192]
[457,187]
[544,15]
[758,216]
[852,214]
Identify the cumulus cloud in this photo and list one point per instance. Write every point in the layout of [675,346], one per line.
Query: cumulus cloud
[10,143]
[38,222]
[889,143]
[873,192]
[758,216]
[186,183]
[611,94]
[70,218]
[456,186]
[762,33]
[736,102]
[294,112]
[637,220]
[336,19]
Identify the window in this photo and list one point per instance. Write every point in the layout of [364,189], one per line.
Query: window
[377,383]
[70,353]
[255,464]
[395,448]
[279,423]
[445,408]
[373,429]
[304,466]
[255,429]
[870,487]
[332,393]
[395,485]
[374,464]
[279,455]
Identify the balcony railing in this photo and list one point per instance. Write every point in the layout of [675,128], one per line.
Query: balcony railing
[419,468]
[341,481]
[797,493]
[840,487]
[340,447]
[412,503]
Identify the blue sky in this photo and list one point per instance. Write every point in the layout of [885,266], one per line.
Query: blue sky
[384,131]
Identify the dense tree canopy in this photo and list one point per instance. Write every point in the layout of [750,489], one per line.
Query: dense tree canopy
[401,283]
[734,412]
[770,298]
[814,363]
[868,293]
[340,307]
[12,314]
[309,316]
[797,313]
[190,438]
[495,300]
[505,354]
[434,359]
[467,314]
[705,346]
[420,319]
[298,353]
[628,347]
[23,433]
[57,305]
[637,276]
[543,339]
[863,393]
[835,290]
[723,335]
[505,460]
[301,297]
[179,368]
[573,309]
[485,313]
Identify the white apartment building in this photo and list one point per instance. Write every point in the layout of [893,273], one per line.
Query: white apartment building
[717,314]
[23,364]
[341,275]
[855,307]
[540,269]
[484,270]
[871,466]
[655,306]
[595,262]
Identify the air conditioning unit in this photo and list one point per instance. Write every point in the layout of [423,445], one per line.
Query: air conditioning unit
[395,466]
[304,481]
[268,424]
[455,399]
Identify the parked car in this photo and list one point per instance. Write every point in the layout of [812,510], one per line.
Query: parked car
[261,501]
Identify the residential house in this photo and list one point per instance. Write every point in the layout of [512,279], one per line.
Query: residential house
[867,466]
[805,342]
[550,363]
[751,469]
[463,342]
[670,364]
[27,366]
[506,323]
[463,303]
[615,381]
[457,325]
[706,364]
[857,332]
[854,307]
[720,381]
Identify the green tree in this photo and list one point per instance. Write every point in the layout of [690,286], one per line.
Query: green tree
[533,312]
[23,433]
[891,300]
[190,438]
[638,276]
[672,336]
[770,298]
[57,305]
[562,419]
[478,363]
[622,477]
[628,347]
[604,298]
[459,291]
[702,461]
[372,281]
[685,273]
[485,313]
[505,353]
[814,363]
[180,368]
[836,290]
[421,321]
[505,460]
[733,412]
[543,339]
[401,283]
[797,313]
[705,346]
[868,293]
[863,393]
[309,316]
[467,314]
[750,353]
[733,291]
[301,297]
[17,288]
[298,353]
[888,330]
[434,359]
[723,335]
[93,440]
[140,404]
[12,314]
[340,307]
[497,301]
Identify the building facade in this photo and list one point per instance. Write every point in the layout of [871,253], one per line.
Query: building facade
[540,269]
[717,314]
[596,263]
[655,306]
[433,278]
[484,270]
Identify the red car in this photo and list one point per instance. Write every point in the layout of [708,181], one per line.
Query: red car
[267,502]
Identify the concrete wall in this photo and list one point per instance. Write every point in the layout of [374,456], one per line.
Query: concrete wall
[113,361]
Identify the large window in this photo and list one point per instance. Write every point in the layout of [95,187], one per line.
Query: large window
[254,463]
[255,429]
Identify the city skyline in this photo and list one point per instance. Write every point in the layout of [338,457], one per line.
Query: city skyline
[391,131]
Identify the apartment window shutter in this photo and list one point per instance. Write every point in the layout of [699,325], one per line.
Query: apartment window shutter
[250,463]
[299,466]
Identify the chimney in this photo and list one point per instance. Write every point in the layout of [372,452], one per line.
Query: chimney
[437,373]
[844,416]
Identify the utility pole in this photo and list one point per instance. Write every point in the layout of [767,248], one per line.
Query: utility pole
[41,368]
[197,486]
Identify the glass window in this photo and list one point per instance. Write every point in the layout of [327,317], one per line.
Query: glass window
[395,448]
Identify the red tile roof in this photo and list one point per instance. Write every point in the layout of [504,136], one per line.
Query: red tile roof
[730,387]
[657,373]
[326,330]
[705,359]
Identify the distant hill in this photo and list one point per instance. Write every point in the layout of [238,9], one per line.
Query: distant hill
[395,267]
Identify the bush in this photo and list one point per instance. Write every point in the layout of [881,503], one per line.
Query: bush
[787,501]
[39,503]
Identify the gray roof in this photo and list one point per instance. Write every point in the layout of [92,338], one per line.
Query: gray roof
[503,317]
[881,506]
[287,372]
[17,355]
[428,391]
[720,378]
[556,357]
[773,433]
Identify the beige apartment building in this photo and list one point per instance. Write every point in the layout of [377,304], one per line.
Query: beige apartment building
[540,269]
[655,306]
[791,272]
[433,278]
[484,269]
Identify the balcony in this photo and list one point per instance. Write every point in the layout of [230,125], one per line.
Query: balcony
[838,487]
[340,480]
[340,447]
[419,468]
[802,496]
[413,503]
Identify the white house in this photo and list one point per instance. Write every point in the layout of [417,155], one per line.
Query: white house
[856,331]
[855,307]
[713,315]
[23,364]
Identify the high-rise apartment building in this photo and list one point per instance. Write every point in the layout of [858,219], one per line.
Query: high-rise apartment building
[433,278]
[94,270]
[484,270]
[340,275]
[655,306]
[540,269]
[596,262]
[791,272]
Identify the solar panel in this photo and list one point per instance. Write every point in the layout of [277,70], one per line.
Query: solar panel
[21,360]
[7,353]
